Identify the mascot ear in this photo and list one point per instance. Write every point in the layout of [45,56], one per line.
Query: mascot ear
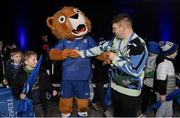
[49,22]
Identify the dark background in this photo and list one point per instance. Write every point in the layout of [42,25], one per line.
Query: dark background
[152,19]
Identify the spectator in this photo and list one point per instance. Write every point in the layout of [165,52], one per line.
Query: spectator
[153,49]
[165,81]
[13,65]
[42,85]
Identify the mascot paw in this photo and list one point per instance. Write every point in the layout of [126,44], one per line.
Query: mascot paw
[55,54]
[74,53]
[66,53]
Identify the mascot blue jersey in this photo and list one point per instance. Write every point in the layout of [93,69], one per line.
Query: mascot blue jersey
[80,68]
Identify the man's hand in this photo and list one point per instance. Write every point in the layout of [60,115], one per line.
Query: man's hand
[103,57]
[111,56]
[22,96]
[106,62]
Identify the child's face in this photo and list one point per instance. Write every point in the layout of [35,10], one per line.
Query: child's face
[31,62]
[173,56]
[16,58]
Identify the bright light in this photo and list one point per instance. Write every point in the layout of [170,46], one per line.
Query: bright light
[22,38]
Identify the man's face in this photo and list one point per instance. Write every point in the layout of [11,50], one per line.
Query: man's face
[16,58]
[32,61]
[118,29]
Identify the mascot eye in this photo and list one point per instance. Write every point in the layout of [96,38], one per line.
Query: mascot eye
[62,19]
[77,10]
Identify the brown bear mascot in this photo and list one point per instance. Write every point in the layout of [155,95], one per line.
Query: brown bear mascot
[71,27]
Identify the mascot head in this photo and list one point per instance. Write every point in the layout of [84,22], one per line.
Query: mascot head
[69,23]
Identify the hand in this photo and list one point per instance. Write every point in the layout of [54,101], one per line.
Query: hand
[54,93]
[5,82]
[106,62]
[112,56]
[77,51]
[74,53]
[22,96]
[66,53]
[55,54]
[176,87]
[162,98]
[103,57]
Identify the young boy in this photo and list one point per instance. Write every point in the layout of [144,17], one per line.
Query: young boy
[40,87]
[153,50]
[13,65]
[165,77]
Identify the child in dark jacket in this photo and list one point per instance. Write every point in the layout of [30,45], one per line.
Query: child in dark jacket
[13,65]
[42,85]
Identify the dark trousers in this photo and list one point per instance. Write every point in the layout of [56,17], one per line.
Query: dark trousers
[99,94]
[124,105]
[38,110]
[148,98]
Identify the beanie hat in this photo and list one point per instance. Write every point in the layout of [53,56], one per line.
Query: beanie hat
[167,48]
[153,47]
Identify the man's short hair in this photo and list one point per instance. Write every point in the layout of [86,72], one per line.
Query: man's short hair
[122,17]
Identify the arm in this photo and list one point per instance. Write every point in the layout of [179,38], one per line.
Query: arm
[96,50]
[18,85]
[161,80]
[7,74]
[56,54]
[59,53]
[177,80]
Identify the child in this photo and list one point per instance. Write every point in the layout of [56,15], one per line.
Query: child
[13,65]
[165,77]
[40,87]
[153,50]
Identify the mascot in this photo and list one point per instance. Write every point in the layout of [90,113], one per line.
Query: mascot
[71,26]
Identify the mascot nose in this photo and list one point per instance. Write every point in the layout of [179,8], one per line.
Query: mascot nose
[75,16]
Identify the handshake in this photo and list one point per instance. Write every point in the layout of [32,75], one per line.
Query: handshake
[55,54]
[106,57]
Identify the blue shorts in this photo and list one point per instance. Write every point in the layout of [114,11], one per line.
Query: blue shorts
[75,88]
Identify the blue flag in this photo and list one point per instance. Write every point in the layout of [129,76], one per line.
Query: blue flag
[171,96]
[8,103]
[108,94]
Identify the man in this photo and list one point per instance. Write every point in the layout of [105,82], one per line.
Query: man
[127,54]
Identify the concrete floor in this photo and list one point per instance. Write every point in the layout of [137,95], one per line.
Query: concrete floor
[53,111]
